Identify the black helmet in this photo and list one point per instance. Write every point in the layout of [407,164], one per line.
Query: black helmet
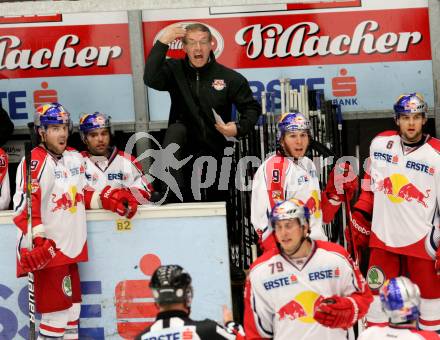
[171,284]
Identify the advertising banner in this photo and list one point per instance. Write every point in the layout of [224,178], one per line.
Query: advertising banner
[117,303]
[362,55]
[79,60]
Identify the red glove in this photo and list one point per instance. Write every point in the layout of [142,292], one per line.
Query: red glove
[341,181]
[360,228]
[337,312]
[39,257]
[119,200]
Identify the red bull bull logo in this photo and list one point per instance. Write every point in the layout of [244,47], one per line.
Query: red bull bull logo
[67,200]
[313,204]
[399,189]
[292,311]
[301,308]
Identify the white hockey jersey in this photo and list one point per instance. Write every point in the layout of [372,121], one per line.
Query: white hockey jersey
[383,333]
[280,298]
[406,187]
[5,191]
[58,207]
[280,178]
[119,170]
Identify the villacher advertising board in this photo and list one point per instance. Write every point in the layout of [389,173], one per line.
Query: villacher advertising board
[362,54]
[80,60]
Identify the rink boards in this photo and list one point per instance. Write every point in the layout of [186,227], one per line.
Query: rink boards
[116,299]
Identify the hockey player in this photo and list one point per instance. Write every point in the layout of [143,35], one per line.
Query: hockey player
[173,293]
[59,232]
[5,191]
[289,174]
[400,300]
[105,164]
[398,208]
[303,289]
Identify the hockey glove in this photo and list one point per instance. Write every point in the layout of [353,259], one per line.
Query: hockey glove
[337,312]
[342,181]
[119,200]
[39,257]
[360,228]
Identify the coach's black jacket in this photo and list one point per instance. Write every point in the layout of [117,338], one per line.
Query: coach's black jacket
[167,324]
[196,91]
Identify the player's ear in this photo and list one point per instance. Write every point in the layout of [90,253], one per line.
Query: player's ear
[41,134]
[306,229]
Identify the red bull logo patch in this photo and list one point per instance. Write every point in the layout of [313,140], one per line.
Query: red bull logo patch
[35,185]
[218,84]
[313,204]
[67,200]
[399,189]
[276,194]
[302,307]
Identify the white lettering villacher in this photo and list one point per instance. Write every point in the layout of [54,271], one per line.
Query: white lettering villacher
[301,39]
[11,57]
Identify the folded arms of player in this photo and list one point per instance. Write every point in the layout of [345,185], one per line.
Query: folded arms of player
[40,256]
[118,200]
[342,182]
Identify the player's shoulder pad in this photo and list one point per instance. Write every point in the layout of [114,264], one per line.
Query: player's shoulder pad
[387,133]
[38,156]
[426,334]
[85,154]
[70,149]
[332,247]
[263,258]
[307,162]
[274,158]
[126,155]
[434,143]
[130,158]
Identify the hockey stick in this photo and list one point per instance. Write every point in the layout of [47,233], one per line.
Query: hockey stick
[346,205]
[353,251]
[31,286]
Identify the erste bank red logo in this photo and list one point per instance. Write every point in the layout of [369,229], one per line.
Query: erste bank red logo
[176,47]
[344,85]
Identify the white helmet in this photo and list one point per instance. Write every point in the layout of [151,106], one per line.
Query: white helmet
[400,299]
[287,210]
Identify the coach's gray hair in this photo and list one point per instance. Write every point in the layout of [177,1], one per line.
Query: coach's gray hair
[197,27]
